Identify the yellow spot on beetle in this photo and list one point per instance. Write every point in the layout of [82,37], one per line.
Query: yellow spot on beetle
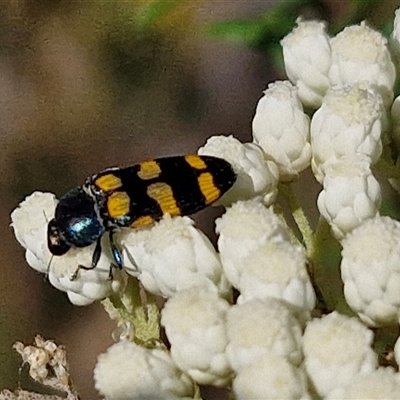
[118,204]
[108,182]
[149,170]
[163,195]
[207,187]
[195,161]
[142,221]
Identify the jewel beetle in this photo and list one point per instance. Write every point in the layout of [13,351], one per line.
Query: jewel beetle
[134,197]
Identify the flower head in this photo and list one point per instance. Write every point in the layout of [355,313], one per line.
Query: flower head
[259,259]
[171,256]
[348,125]
[271,377]
[395,114]
[351,195]
[129,371]
[258,328]
[282,129]
[360,54]
[382,383]
[395,39]
[29,221]
[370,271]
[336,349]
[397,351]
[278,270]
[307,56]
[255,175]
[194,322]
[244,227]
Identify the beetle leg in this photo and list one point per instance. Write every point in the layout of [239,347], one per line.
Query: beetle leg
[95,261]
[115,251]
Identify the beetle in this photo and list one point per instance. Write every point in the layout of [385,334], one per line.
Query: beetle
[135,197]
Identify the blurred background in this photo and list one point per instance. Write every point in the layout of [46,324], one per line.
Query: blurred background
[85,85]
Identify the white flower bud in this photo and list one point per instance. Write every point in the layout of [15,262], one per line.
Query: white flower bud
[307,56]
[259,259]
[194,322]
[360,54]
[382,383]
[351,195]
[88,285]
[282,129]
[336,349]
[258,328]
[395,39]
[255,175]
[370,271]
[278,270]
[129,371]
[30,221]
[244,227]
[271,378]
[171,256]
[349,125]
[397,351]
[395,114]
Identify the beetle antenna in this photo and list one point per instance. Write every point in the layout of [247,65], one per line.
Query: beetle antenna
[49,265]
[51,257]
[131,258]
[45,217]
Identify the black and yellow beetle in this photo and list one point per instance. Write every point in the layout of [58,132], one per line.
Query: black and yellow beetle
[134,197]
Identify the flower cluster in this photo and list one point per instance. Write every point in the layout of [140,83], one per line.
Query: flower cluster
[331,115]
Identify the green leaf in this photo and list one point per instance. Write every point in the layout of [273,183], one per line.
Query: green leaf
[246,32]
[260,33]
[266,29]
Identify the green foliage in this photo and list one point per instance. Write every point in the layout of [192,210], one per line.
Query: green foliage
[265,30]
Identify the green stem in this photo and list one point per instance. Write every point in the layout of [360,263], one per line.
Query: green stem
[327,269]
[310,242]
[300,219]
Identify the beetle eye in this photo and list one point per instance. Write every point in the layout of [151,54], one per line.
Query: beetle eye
[56,244]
